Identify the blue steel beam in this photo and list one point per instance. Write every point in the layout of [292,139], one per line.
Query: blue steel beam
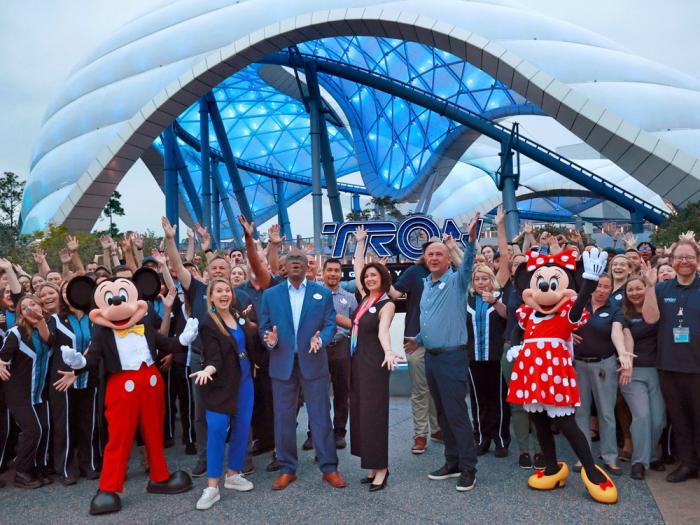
[236,229]
[316,102]
[441,106]
[282,215]
[216,215]
[187,183]
[258,169]
[205,163]
[234,176]
[170,179]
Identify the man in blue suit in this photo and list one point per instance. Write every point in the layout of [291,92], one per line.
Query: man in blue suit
[297,321]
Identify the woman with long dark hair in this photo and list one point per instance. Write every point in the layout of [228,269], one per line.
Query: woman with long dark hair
[24,363]
[227,389]
[642,392]
[75,411]
[372,360]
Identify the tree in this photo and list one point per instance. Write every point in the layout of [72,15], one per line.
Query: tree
[113,208]
[11,189]
[686,219]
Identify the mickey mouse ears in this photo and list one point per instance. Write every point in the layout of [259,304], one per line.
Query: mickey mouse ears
[79,292]
[147,282]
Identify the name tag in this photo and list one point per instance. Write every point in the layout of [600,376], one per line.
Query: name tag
[681,334]
[318,296]
[343,300]
[441,286]
[604,314]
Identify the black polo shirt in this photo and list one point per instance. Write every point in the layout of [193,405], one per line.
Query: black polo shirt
[644,335]
[596,333]
[671,296]
[617,296]
[410,282]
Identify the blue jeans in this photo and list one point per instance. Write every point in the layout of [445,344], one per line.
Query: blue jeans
[447,380]
[218,425]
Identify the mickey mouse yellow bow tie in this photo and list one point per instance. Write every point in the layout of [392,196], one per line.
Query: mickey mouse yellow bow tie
[137,329]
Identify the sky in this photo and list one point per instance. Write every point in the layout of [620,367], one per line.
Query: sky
[41,42]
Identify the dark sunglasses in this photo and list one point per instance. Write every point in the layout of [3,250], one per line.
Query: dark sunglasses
[296,258]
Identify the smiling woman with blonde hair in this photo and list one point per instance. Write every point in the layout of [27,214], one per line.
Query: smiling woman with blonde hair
[486,326]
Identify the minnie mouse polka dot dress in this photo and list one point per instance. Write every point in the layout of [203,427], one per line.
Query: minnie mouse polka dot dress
[543,376]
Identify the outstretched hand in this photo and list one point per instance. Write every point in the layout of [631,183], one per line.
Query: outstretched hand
[316,343]
[270,338]
[392,360]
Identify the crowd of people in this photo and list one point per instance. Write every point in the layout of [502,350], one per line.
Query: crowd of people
[278,331]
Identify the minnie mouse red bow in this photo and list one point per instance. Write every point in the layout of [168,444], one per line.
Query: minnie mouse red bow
[565,259]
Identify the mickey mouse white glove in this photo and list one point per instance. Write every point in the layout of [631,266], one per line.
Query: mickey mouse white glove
[594,263]
[72,357]
[190,332]
[513,352]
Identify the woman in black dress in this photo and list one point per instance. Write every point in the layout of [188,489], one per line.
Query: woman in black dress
[371,362]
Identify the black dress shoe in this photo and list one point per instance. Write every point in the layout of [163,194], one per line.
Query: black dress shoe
[681,474]
[637,471]
[273,466]
[178,483]
[501,452]
[367,480]
[66,481]
[90,474]
[105,502]
[308,444]
[657,465]
[483,448]
[340,442]
[27,481]
[190,449]
[200,469]
[381,486]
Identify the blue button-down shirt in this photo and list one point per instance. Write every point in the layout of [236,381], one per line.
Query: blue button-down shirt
[443,306]
[344,303]
[296,299]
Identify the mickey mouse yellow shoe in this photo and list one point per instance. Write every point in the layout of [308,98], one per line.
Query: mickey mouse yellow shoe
[601,492]
[540,481]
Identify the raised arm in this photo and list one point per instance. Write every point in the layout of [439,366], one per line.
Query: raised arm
[163,269]
[465,269]
[262,274]
[273,248]
[72,244]
[42,266]
[183,275]
[189,253]
[503,274]
[106,243]
[129,259]
[650,308]
[594,264]
[137,243]
[12,282]
[358,261]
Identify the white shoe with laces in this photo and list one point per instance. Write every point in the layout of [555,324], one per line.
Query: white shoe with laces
[239,483]
[210,495]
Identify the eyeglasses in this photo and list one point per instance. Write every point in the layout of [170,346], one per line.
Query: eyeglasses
[689,258]
[644,248]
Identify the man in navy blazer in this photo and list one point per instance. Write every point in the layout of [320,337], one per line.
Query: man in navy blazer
[297,321]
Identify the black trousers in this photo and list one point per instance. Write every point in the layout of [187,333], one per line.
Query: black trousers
[339,368]
[447,380]
[490,411]
[263,422]
[33,440]
[75,418]
[179,396]
[682,396]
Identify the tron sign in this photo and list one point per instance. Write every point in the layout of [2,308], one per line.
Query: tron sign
[385,237]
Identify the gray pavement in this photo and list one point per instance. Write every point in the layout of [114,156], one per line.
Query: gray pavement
[500,496]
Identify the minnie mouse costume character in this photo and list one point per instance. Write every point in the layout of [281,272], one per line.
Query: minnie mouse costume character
[543,378]
[134,395]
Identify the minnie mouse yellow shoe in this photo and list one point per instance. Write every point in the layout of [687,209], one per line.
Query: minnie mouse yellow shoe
[601,492]
[540,481]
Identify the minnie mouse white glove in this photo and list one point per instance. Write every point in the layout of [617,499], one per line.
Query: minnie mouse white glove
[594,264]
[72,357]
[190,332]
[513,352]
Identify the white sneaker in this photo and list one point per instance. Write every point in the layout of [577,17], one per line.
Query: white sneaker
[210,495]
[239,483]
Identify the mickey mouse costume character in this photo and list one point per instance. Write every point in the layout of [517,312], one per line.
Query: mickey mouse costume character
[543,378]
[134,395]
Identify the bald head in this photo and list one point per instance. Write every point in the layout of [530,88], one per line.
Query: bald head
[437,259]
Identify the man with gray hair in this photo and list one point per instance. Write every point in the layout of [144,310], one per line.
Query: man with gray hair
[443,333]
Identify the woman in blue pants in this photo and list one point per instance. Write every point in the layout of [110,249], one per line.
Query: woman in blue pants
[227,390]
